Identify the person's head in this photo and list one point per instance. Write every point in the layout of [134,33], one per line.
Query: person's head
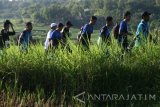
[127,16]
[146,16]
[6,24]
[69,24]
[53,26]
[29,26]
[109,21]
[60,26]
[93,20]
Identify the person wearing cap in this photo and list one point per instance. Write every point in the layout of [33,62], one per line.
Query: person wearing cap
[5,41]
[56,37]
[142,34]
[53,27]
[25,37]
[66,34]
[123,32]
[87,32]
[105,37]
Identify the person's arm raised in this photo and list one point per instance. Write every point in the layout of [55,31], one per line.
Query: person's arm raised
[13,31]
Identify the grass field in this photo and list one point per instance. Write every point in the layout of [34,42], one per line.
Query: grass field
[39,80]
[56,78]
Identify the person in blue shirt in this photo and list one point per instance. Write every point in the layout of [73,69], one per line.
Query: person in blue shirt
[25,37]
[142,34]
[105,32]
[87,32]
[123,31]
[56,37]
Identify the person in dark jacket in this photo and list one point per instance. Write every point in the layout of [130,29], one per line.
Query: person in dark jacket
[66,31]
[66,34]
[5,32]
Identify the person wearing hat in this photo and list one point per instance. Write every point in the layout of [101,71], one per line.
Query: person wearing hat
[105,37]
[56,37]
[66,34]
[142,34]
[5,32]
[53,27]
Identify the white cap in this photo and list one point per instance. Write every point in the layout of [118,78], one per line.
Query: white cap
[53,25]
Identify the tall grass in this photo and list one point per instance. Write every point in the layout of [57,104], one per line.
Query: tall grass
[53,79]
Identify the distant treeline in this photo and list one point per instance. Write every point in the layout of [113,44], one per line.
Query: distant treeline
[79,11]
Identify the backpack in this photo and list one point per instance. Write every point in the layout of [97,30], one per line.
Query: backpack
[21,37]
[103,30]
[104,36]
[79,34]
[116,31]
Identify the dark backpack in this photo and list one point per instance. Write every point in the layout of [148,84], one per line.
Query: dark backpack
[79,34]
[103,33]
[103,30]
[116,31]
[21,37]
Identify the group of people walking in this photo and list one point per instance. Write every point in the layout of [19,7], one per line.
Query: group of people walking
[59,34]
[120,32]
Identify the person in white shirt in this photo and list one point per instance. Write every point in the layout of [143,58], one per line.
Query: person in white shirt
[49,34]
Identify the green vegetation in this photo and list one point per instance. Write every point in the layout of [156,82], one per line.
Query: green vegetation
[78,11]
[38,79]
[56,78]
